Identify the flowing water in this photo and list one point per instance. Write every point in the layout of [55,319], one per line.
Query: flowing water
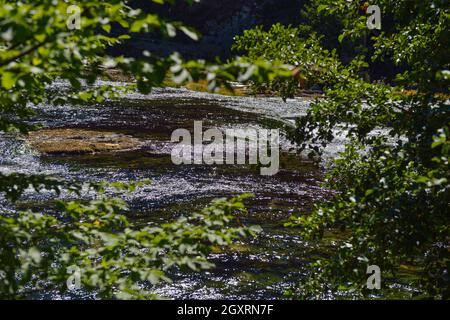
[253,268]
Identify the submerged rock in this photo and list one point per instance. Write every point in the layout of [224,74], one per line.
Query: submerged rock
[80,141]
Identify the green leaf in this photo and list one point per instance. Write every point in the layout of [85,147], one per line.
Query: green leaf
[321,8]
[8,80]
[191,34]
[106,27]
[85,96]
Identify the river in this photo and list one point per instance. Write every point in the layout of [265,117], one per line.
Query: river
[264,267]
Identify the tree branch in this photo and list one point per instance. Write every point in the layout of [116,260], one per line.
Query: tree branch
[24,53]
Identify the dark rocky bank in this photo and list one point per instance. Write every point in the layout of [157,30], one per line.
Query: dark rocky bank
[218,21]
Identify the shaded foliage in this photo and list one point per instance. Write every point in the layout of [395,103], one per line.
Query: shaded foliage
[392,180]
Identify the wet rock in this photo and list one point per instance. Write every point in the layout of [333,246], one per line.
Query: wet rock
[80,141]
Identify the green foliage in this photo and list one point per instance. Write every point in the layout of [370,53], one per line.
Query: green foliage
[396,212]
[304,48]
[294,46]
[392,181]
[37,47]
[115,259]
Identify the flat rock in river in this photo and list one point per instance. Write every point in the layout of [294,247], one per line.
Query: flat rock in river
[80,141]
